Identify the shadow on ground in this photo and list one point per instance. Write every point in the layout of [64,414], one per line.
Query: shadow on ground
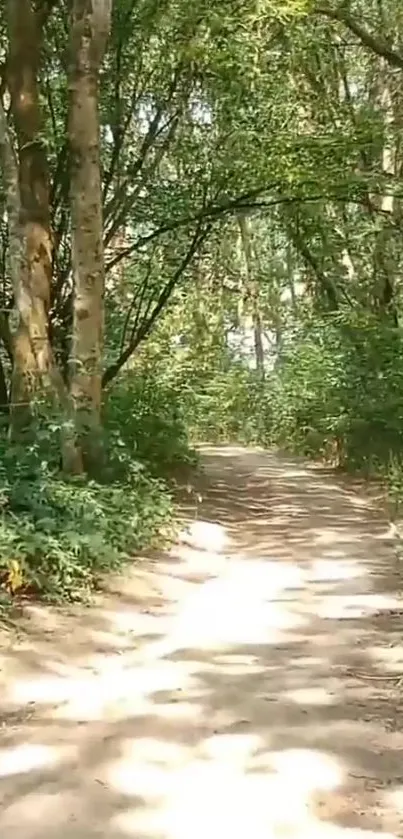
[246,684]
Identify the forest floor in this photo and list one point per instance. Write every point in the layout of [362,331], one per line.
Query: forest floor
[247,684]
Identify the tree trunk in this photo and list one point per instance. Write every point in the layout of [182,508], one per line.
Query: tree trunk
[385,267]
[9,167]
[290,278]
[31,242]
[252,289]
[89,28]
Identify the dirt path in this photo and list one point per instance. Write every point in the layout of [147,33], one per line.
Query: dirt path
[245,686]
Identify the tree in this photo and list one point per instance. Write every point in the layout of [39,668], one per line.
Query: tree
[33,362]
[189,126]
[89,29]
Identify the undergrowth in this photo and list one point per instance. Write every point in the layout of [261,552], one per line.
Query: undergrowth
[146,414]
[59,536]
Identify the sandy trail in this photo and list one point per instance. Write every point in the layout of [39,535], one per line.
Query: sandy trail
[247,685]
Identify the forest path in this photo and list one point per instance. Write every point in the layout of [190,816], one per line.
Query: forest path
[245,685]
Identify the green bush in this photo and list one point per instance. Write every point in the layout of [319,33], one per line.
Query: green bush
[146,415]
[339,389]
[58,536]
[227,408]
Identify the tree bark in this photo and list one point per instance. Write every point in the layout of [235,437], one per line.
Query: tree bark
[9,167]
[89,29]
[385,266]
[252,290]
[31,242]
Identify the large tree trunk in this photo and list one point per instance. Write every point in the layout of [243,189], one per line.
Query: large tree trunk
[33,367]
[89,28]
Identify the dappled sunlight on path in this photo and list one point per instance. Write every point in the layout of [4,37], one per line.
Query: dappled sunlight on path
[247,684]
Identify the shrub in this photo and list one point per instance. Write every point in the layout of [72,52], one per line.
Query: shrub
[339,387]
[227,408]
[57,536]
[146,416]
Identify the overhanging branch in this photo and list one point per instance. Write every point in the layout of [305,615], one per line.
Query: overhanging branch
[375,43]
[249,201]
[139,334]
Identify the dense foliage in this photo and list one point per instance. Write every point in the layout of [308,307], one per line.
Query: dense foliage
[201,241]
[59,536]
[335,393]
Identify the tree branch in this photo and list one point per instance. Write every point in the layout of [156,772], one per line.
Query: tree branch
[375,43]
[140,334]
[249,201]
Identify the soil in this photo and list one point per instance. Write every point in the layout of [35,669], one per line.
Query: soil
[246,684]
